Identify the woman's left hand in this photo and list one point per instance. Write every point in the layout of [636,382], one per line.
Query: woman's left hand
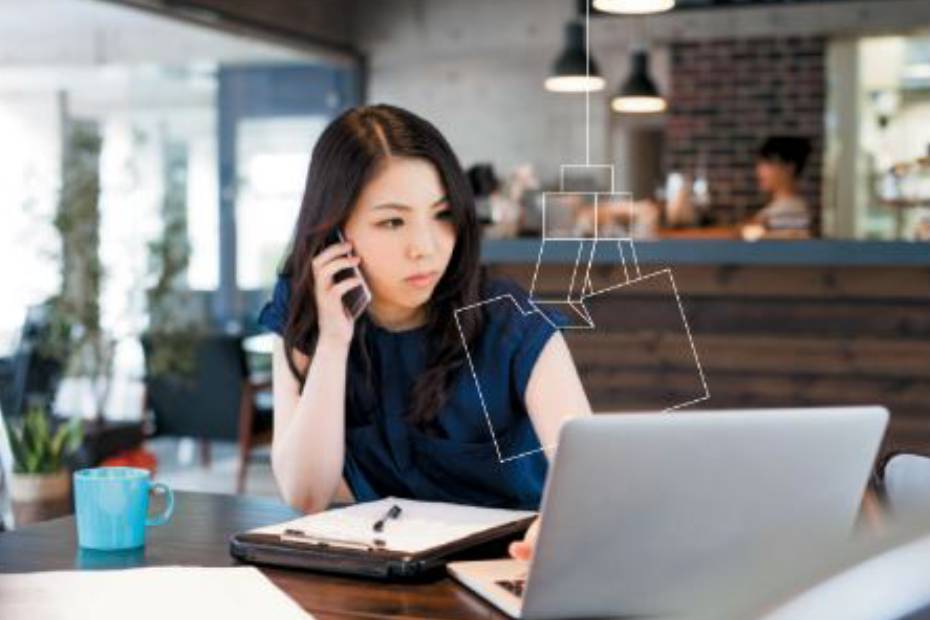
[523,549]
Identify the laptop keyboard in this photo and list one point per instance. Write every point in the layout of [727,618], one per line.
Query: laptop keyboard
[514,586]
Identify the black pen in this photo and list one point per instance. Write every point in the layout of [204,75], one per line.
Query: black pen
[393,513]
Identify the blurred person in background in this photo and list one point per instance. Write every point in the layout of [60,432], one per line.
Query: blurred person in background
[780,161]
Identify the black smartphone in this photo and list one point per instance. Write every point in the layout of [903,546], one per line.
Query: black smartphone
[355,300]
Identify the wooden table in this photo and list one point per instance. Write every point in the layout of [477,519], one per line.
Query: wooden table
[197,536]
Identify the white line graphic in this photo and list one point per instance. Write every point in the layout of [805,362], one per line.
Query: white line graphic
[586,317]
[587,245]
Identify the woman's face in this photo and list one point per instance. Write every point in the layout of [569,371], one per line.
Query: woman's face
[773,175]
[402,228]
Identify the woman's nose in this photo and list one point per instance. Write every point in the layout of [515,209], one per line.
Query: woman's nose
[422,243]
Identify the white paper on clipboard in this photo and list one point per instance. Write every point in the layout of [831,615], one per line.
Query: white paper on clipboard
[420,525]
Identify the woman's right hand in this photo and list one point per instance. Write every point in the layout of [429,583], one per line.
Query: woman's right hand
[524,549]
[334,322]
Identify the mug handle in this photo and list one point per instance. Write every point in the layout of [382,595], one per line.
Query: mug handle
[169,508]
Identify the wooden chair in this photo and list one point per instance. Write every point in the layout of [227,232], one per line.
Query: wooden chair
[255,417]
[221,401]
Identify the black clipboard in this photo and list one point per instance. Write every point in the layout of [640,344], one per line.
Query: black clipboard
[368,560]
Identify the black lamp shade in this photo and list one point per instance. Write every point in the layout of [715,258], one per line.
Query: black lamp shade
[572,59]
[572,71]
[639,84]
[639,93]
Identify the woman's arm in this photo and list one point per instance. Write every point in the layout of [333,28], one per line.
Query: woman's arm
[553,395]
[308,444]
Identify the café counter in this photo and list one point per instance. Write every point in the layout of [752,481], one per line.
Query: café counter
[764,324]
[672,252]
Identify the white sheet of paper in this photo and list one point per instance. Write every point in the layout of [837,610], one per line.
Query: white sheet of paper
[157,593]
[420,526]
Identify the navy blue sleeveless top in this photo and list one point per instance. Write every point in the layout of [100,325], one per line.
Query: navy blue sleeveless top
[459,460]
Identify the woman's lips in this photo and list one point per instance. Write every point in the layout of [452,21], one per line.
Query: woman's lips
[421,280]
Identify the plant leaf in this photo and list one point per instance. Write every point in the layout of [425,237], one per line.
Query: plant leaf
[35,430]
[75,434]
[32,463]
[58,441]
[16,445]
[42,456]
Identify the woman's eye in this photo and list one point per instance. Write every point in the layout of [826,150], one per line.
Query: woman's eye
[444,215]
[394,222]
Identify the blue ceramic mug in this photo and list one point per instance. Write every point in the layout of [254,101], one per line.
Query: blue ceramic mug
[111,505]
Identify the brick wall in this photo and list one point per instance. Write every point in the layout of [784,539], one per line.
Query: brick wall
[728,95]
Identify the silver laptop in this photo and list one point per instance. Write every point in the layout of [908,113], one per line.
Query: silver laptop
[637,505]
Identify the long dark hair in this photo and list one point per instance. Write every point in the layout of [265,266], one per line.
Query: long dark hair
[344,159]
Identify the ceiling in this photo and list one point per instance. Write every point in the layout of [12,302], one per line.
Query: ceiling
[93,33]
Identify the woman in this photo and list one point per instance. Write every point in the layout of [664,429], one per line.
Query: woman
[388,402]
[779,164]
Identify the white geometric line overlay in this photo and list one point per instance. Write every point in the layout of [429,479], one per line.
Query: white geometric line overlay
[586,245]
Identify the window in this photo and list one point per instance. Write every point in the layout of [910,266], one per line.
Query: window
[273,156]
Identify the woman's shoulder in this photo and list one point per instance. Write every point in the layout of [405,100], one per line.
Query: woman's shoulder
[502,286]
[502,298]
[273,314]
[509,308]
[516,330]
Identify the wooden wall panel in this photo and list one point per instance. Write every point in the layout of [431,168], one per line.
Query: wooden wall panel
[765,337]
[742,281]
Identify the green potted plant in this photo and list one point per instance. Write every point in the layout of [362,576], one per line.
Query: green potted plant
[77,338]
[41,484]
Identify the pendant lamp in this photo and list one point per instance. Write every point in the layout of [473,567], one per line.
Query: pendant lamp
[572,72]
[638,94]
